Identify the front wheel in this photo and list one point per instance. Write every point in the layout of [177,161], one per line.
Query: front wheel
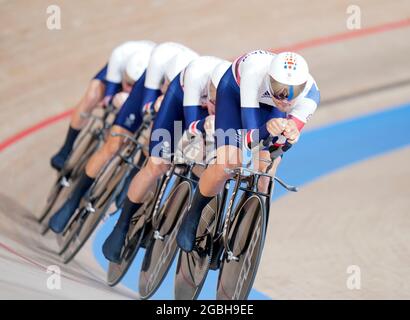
[59,194]
[137,231]
[69,176]
[245,239]
[93,208]
[193,267]
[163,247]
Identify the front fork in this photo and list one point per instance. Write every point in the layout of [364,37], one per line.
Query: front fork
[186,175]
[227,223]
[158,197]
[252,182]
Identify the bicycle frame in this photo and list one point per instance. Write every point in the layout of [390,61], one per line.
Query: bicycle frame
[251,178]
[127,152]
[186,174]
[97,134]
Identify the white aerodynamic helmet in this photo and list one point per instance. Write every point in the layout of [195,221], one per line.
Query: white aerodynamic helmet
[287,76]
[179,62]
[137,64]
[219,71]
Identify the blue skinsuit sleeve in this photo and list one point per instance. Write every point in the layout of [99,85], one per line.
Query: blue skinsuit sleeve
[111,88]
[250,118]
[250,122]
[149,97]
[194,113]
[134,99]
[263,133]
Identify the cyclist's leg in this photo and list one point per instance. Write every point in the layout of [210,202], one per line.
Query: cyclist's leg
[211,183]
[127,121]
[227,123]
[92,97]
[162,142]
[214,177]
[145,179]
[106,152]
[140,185]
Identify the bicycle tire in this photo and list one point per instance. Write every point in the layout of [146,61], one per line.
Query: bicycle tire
[52,195]
[246,239]
[136,232]
[87,222]
[193,267]
[57,202]
[162,250]
[72,174]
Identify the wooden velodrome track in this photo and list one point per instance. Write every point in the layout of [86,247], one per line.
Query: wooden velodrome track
[355,216]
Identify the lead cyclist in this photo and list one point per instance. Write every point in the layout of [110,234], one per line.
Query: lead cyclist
[116,77]
[261,94]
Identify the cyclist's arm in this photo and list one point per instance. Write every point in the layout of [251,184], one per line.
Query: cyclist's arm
[114,74]
[195,83]
[299,115]
[194,118]
[306,106]
[250,113]
[148,100]
[152,87]
[255,136]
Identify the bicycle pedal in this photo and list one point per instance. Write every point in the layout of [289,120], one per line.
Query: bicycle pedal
[89,207]
[231,257]
[157,236]
[64,182]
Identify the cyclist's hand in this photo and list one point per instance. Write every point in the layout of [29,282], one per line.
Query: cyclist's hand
[158,102]
[119,99]
[209,125]
[291,132]
[276,126]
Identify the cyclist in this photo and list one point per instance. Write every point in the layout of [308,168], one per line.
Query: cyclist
[187,102]
[119,74]
[166,61]
[262,94]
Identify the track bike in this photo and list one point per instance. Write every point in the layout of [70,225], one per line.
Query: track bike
[109,186]
[165,223]
[90,139]
[230,237]
[154,227]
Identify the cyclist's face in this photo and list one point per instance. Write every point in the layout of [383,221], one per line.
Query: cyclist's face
[282,105]
[284,96]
